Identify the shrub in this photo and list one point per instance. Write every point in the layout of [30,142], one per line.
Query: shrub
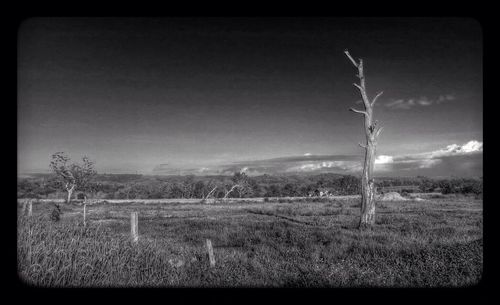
[80,196]
[55,216]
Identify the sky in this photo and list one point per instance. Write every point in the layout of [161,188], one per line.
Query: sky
[267,95]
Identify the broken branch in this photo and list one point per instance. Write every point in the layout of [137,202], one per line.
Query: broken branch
[376,97]
[234,186]
[358,111]
[210,192]
[358,86]
[352,59]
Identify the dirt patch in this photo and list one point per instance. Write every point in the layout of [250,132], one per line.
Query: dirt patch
[392,196]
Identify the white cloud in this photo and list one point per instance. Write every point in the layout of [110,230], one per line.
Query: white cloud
[399,104]
[422,101]
[426,160]
[444,98]
[472,146]
[452,158]
[349,166]
[387,163]
[382,159]
[384,163]
[428,163]
[454,149]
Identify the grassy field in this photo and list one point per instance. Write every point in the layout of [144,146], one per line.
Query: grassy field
[432,243]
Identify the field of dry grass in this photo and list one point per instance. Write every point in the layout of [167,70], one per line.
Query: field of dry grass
[280,243]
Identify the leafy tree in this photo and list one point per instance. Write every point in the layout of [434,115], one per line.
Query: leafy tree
[72,176]
[349,185]
[188,187]
[273,190]
[176,191]
[256,189]
[199,190]
[290,190]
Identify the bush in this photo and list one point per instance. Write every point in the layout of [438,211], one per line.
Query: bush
[55,216]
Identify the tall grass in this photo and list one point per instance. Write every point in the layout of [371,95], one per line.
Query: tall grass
[69,254]
[279,253]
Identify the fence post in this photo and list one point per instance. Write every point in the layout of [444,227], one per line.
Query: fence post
[211,253]
[84,214]
[23,211]
[133,225]
[30,207]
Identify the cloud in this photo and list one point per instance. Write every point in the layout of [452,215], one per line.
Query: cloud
[454,159]
[429,163]
[340,166]
[400,104]
[454,149]
[296,164]
[382,159]
[472,146]
[422,101]
[444,98]
[448,158]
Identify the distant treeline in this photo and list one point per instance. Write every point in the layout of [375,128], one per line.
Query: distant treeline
[126,186]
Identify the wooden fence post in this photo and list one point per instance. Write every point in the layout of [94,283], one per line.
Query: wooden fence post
[84,214]
[211,253]
[134,222]
[30,207]
[23,211]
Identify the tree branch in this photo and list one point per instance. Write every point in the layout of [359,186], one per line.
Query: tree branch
[208,195]
[234,186]
[352,59]
[358,86]
[363,146]
[376,97]
[377,133]
[358,111]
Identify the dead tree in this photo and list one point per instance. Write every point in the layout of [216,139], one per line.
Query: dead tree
[232,189]
[372,132]
[209,194]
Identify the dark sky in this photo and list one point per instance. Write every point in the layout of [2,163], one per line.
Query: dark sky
[142,94]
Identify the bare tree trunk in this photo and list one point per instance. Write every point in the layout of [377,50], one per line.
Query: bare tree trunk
[232,188]
[368,189]
[209,194]
[372,132]
[70,192]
